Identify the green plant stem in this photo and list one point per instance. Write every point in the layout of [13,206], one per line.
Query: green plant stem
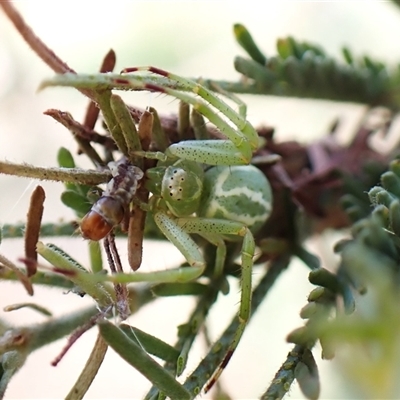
[189,331]
[89,371]
[57,328]
[195,382]
[26,339]
[74,175]
[36,336]
[285,376]
[139,359]
[40,278]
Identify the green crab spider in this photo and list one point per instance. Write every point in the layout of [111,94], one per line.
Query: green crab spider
[224,203]
[229,201]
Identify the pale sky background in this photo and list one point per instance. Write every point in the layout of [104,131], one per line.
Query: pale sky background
[192,38]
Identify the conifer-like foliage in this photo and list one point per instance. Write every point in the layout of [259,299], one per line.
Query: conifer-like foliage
[233,200]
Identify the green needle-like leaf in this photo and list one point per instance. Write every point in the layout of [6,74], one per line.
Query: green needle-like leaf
[90,370]
[244,38]
[179,289]
[72,270]
[96,260]
[150,343]
[140,360]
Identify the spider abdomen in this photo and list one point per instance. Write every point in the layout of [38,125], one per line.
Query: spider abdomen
[238,193]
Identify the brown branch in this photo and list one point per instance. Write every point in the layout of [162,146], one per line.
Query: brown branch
[38,46]
[44,52]
[92,111]
[82,135]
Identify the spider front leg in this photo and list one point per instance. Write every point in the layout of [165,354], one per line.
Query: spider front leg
[243,140]
[178,232]
[184,243]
